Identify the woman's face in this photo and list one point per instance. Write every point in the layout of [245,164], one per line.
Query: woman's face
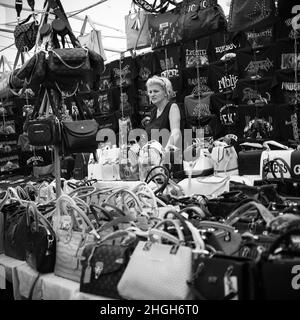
[156,93]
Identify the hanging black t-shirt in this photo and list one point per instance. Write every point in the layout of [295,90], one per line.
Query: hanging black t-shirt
[260,36]
[124,74]
[223,76]
[287,8]
[105,102]
[285,117]
[249,91]
[260,62]
[285,87]
[146,66]
[128,99]
[286,50]
[284,29]
[197,107]
[106,78]
[193,50]
[225,42]
[266,127]
[190,81]
[225,108]
[142,95]
[169,63]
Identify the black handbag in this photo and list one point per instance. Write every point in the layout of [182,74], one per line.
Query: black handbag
[104,264]
[40,243]
[222,278]
[14,230]
[279,268]
[201,18]
[25,34]
[165,28]
[80,136]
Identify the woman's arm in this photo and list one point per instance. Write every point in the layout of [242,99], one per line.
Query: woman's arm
[174,118]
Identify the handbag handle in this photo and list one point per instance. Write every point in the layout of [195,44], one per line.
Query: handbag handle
[241,211]
[3,198]
[273,143]
[84,192]
[164,234]
[114,223]
[87,19]
[216,225]
[270,163]
[67,65]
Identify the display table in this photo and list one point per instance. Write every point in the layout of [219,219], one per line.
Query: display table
[47,286]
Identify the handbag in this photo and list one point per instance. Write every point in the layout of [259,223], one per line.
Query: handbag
[279,268]
[40,241]
[25,34]
[165,28]
[210,186]
[201,18]
[129,168]
[92,40]
[71,237]
[68,62]
[249,159]
[80,136]
[136,29]
[5,71]
[158,270]
[221,277]
[225,159]
[105,263]
[14,230]
[244,15]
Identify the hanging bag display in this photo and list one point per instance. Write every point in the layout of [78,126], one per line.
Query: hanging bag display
[92,40]
[165,28]
[201,18]
[247,15]
[25,34]
[137,30]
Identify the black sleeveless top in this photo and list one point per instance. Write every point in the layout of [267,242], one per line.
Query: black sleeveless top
[161,122]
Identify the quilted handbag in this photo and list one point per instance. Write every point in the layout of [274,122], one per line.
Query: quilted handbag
[68,62]
[25,34]
[71,237]
[156,270]
[105,263]
[201,18]
[245,15]
[136,29]
[222,278]
[80,136]
[40,241]
[165,28]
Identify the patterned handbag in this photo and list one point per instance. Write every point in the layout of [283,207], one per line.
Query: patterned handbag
[165,28]
[105,262]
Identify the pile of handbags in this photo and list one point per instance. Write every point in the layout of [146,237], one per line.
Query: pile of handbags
[144,243]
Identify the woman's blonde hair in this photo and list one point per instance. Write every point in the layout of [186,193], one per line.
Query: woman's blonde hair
[164,82]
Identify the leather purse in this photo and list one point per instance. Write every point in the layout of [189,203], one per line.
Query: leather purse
[201,18]
[25,34]
[104,264]
[222,277]
[40,241]
[80,136]
[68,62]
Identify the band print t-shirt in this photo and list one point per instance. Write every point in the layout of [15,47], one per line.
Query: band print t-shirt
[250,91]
[259,36]
[286,52]
[223,76]
[195,83]
[260,62]
[124,72]
[146,66]
[195,50]
[105,78]
[169,67]
[222,43]
[285,87]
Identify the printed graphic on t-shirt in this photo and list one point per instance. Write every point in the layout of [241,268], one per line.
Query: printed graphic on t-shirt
[285,87]
[105,79]
[228,114]
[253,91]
[222,76]
[123,72]
[194,52]
[195,84]
[146,66]
[104,105]
[197,107]
[260,37]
